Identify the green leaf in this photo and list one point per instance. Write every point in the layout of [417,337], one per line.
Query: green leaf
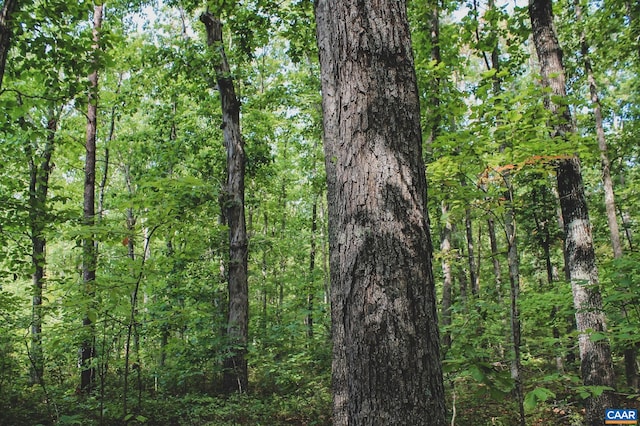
[592,391]
[597,336]
[536,396]
[489,73]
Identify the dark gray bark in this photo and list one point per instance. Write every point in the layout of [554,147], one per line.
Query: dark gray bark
[40,170]
[235,376]
[9,7]
[595,357]
[386,361]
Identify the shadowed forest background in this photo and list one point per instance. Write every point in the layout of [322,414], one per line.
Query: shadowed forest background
[119,315]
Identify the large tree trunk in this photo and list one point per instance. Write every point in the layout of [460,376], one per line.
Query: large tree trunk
[386,361]
[9,7]
[235,376]
[89,252]
[40,170]
[595,357]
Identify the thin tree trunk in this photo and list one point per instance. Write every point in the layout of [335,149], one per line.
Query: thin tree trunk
[132,325]
[495,259]
[264,296]
[513,259]
[282,202]
[463,279]
[631,366]
[434,115]
[386,361]
[165,325]
[542,229]
[447,273]
[609,197]
[633,12]
[595,357]
[514,281]
[314,240]
[312,267]
[235,375]
[131,254]
[89,250]
[102,186]
[473,275]
[9,7]
[132,315]
[38,189]
[626,223]
[630,354]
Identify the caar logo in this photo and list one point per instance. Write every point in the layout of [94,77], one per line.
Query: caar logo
[621,417]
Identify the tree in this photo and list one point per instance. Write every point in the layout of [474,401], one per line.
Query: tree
[595,354]
[510,226]
[232,200]
[9,7]
[386,361]
[39,173]
[630,353]
[87,350]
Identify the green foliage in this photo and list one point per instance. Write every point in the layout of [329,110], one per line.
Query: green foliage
[536,396]
[161,163]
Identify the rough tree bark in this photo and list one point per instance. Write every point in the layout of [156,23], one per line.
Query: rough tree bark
[87,348]
[595,357]
[235,376]
[9,7]
[386,361]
